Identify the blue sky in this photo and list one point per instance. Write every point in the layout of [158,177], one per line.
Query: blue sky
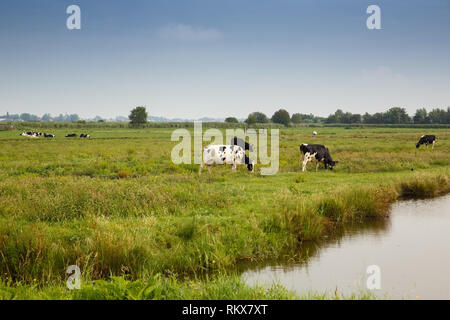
[195,58]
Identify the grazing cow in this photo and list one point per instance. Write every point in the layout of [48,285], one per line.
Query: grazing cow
[426,140]
[314,133]
[317,152]
[241,143]
[48,135]
[84,135]
[71,135]
[225,154]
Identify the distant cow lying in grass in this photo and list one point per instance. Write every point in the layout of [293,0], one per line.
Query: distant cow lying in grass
[426,140]
[71,135]
[316,152]
[83,135]
[48,135]
[30,134]
[225,154]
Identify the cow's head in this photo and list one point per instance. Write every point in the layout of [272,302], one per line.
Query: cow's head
[250,164]
[418,145]
[332,163]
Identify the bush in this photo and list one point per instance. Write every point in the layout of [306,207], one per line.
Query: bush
[281,116]
[231,120]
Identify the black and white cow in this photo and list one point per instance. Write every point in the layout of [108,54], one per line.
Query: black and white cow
[225,154]
[426,140]
[84,135]
[48,135]
[241,143]
[316,152]
[71,135]
[30,134]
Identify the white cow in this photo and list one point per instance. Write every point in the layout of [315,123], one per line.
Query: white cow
[225,154]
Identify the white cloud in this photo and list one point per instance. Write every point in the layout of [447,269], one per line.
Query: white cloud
[187,33]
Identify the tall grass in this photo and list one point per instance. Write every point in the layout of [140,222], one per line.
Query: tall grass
[165,288]
[40,238]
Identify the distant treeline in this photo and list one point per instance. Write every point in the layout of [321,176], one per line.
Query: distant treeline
[47,126]
[75,125]
[394,115]
[28,117]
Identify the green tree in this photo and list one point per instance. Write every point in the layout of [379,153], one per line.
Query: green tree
[46,117]
[231,120]
[260,117]
[138,115]
[421,116]
[59,118]
[251,119]
[74,117]
[397,115]
[367,118]
[355,118]
[437,116]
[25,117]
[337,117]
[296,118]
[332,119]
[346,118]
[281,116]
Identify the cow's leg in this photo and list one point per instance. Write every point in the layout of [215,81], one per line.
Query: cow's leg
[317,164]
[233,167]
[200,168]
[432,145]
[302,156]
[305,161]
[209,168]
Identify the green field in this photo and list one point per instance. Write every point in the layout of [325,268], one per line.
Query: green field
[116,206]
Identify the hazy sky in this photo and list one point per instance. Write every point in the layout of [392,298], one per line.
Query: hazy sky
[195,58]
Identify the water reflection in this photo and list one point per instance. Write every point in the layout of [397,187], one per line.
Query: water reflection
[412,248]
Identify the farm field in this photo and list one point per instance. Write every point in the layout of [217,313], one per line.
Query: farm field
[117,207]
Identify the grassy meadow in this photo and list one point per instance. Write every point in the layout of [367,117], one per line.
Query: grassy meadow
[142,227]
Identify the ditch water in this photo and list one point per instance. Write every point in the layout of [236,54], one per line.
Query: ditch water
[411,249]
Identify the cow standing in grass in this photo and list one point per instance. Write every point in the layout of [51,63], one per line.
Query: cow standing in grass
[225,154]
[426,140]
[316,152]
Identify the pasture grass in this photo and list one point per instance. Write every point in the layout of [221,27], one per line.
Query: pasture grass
[167,288]
[116,206]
